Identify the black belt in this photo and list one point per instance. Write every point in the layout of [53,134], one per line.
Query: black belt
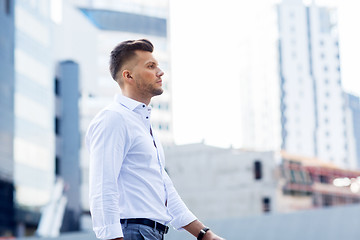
[144,221]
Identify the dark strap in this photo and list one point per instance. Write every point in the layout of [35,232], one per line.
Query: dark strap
[202,233]
[150,223]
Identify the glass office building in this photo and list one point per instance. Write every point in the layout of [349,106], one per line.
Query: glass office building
[6,116]
[34,139]
[6,88]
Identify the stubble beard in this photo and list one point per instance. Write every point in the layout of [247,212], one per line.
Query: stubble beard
[149,89]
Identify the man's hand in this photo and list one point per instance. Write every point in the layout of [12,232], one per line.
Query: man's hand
[209,235]
[195,227]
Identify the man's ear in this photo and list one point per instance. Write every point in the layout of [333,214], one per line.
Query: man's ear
[126,74]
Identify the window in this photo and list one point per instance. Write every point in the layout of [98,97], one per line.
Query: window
[8,7]
[322,55]
[326,81]
[327,200]
[266,204]
[57,87]
[327,94]
[321,43]
[57,126]
[57,166]
[257,170]
[325,68]
[323,179]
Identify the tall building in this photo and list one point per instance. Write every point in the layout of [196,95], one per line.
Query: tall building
[34,136]
[117,21]
[7,28]
[312,101]
[124,20]
[353,111]
[67,165]
[45,47]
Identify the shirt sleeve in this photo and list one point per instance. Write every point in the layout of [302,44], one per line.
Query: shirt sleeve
[106,142]
[181,215]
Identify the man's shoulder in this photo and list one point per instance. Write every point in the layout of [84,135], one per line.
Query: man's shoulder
[112,111]
[111,117]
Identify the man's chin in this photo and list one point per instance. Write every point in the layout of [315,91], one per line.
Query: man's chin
[158,92]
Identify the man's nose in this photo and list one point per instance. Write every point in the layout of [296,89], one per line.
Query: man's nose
[160,73]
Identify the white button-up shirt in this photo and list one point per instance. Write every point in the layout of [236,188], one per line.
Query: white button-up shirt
[127,176]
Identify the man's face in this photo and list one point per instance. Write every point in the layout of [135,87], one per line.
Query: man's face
[147,74]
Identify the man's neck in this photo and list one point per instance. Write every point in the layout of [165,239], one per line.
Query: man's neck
[138,98]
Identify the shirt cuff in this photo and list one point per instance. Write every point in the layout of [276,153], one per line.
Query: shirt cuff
[183,220]
[109,232]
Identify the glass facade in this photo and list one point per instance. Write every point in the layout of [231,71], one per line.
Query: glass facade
[6,89]
[34,140]
[127,22]
[6,116]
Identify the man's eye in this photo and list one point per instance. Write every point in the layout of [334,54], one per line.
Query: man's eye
[152,66]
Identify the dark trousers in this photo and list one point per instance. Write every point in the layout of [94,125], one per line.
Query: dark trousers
[141,232]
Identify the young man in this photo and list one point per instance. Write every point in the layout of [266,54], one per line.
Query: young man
[131,195]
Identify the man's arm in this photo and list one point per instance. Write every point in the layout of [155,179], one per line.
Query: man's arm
[106,143]
[195,227]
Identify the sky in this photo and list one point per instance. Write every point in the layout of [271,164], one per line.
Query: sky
[204,36]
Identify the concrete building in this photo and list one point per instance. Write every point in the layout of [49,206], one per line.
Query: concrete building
[308,183]
[67,162]
[313,117]
[7,29]
[76,58]
[218,183]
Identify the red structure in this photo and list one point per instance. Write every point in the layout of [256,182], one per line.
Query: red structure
[324,183]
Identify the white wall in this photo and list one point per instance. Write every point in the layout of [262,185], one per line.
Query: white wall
[218,183]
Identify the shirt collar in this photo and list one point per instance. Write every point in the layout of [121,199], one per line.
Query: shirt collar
[129,102]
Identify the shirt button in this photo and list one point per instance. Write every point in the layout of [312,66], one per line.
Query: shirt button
[143,106]
[147,117]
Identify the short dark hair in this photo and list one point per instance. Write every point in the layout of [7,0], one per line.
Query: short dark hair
[124,51]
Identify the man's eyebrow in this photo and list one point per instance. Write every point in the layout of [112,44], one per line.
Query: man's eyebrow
[152,61]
